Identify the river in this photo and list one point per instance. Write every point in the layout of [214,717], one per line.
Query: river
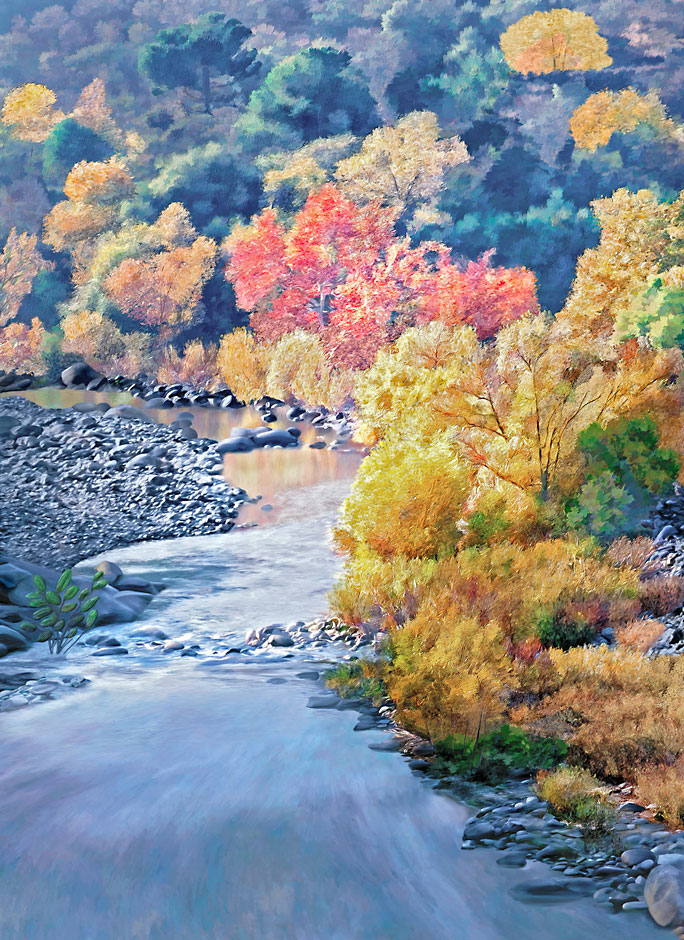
[198,798]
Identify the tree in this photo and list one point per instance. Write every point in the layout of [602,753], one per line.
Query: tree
[401,166]
[554,40]
[341,270]
[164,291]
[92,111]
[20,263]
[608,112]
[20,345]
[312,94]
[29,112]
[69,143]
[193,56]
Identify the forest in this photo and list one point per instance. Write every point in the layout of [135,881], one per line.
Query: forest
[464,222]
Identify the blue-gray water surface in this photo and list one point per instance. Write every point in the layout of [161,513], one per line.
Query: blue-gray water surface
[195,799]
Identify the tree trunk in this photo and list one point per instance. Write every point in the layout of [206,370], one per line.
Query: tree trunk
[206,89]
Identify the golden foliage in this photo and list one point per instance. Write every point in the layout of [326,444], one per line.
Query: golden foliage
[608,112]
[29,111]
[174,227]
[631,552]
[297,365]
[554,39]
[304,170]
[407,499]
[20,262]
[100,342]
[103,183]
[92,111]
[571,790]
[195,366]
[20,346]
[401,166]
[663,785]
[636,230]
[241,365]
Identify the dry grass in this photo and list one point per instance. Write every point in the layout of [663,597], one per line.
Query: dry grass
[576,794]
[661,595]
[639,634]
[630,552]
[664,786]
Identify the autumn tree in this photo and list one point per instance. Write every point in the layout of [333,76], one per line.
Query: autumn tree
[20,345]
[606,113]
[92,111]
[94,193]
[341,270]
[164,291]
[401,166]
[559,39]
[29,111]
[20,263]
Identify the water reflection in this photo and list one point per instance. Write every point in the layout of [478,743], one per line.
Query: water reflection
[284,478]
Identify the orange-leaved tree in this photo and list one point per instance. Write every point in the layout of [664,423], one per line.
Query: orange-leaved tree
[20,262]
[551,40]
[341,270]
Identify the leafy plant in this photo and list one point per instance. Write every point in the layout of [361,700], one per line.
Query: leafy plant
[357,679]
[63,614]
[576,795]
[563,632]
[493,757]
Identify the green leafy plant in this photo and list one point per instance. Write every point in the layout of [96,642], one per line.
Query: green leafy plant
[357,679]
[562,632]
[492,757]
[63,614]
[576,795]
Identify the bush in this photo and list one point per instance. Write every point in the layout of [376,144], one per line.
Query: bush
[661,595]
[494,756]
[360,678]
[576,795]
[639,634]
[63,614]
[241,365]
[664,785]
[631,553]
[297,365]
[564,633]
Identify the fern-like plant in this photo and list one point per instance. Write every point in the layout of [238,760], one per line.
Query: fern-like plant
[64,614]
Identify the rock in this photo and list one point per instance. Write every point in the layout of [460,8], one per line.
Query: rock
[317,445]
[365,723]
[7,422]
[418,764]
[664,895]
[129,413]
[280,639]
[671,858]
[110,571]
[634,857]
[393,744]
[329,700]
[84,407]
[111,651]
[667,532]
[150,633]
[12,639]
[278,438]
[308,674]
[235,445]
[133,583]
[80,373]
[546,892]
[173,645]
[630,807]
[512,859]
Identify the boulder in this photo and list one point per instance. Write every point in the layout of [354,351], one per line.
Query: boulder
[274,438]
[7,422]
[235,445]
[664,894]
[12,638]
[110,571]
[80,373]
[130,413]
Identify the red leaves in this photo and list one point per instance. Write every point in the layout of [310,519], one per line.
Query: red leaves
[341,270]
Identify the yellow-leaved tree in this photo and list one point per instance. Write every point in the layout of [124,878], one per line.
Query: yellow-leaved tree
[608,112]
[29,111]
[553,40]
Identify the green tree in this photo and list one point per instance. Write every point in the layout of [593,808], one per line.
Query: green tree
[69,143]
[309,95]
[208,59]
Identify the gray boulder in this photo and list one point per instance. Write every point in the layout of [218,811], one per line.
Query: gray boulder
[11,638]
[664,894]
[274,438]
[130,413]
[80,373]
[110,571]
[235,445]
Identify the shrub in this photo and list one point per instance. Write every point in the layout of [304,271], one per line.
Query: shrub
[662,594]
[494,756]
[360,678]
[576,795]
[63,614]
[564,633]
[664,785]
[241,365]
[639,634]
[297,365]
[407,499]
[632,553]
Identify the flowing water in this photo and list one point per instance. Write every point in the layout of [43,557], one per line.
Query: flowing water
[198,798]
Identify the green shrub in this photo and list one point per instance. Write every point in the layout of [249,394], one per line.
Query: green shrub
[492,758]
[359,678]
[64,614]
[556,630]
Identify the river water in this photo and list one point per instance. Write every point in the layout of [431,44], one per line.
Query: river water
[198,798]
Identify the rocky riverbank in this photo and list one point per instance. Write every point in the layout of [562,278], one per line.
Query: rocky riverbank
[79,481]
